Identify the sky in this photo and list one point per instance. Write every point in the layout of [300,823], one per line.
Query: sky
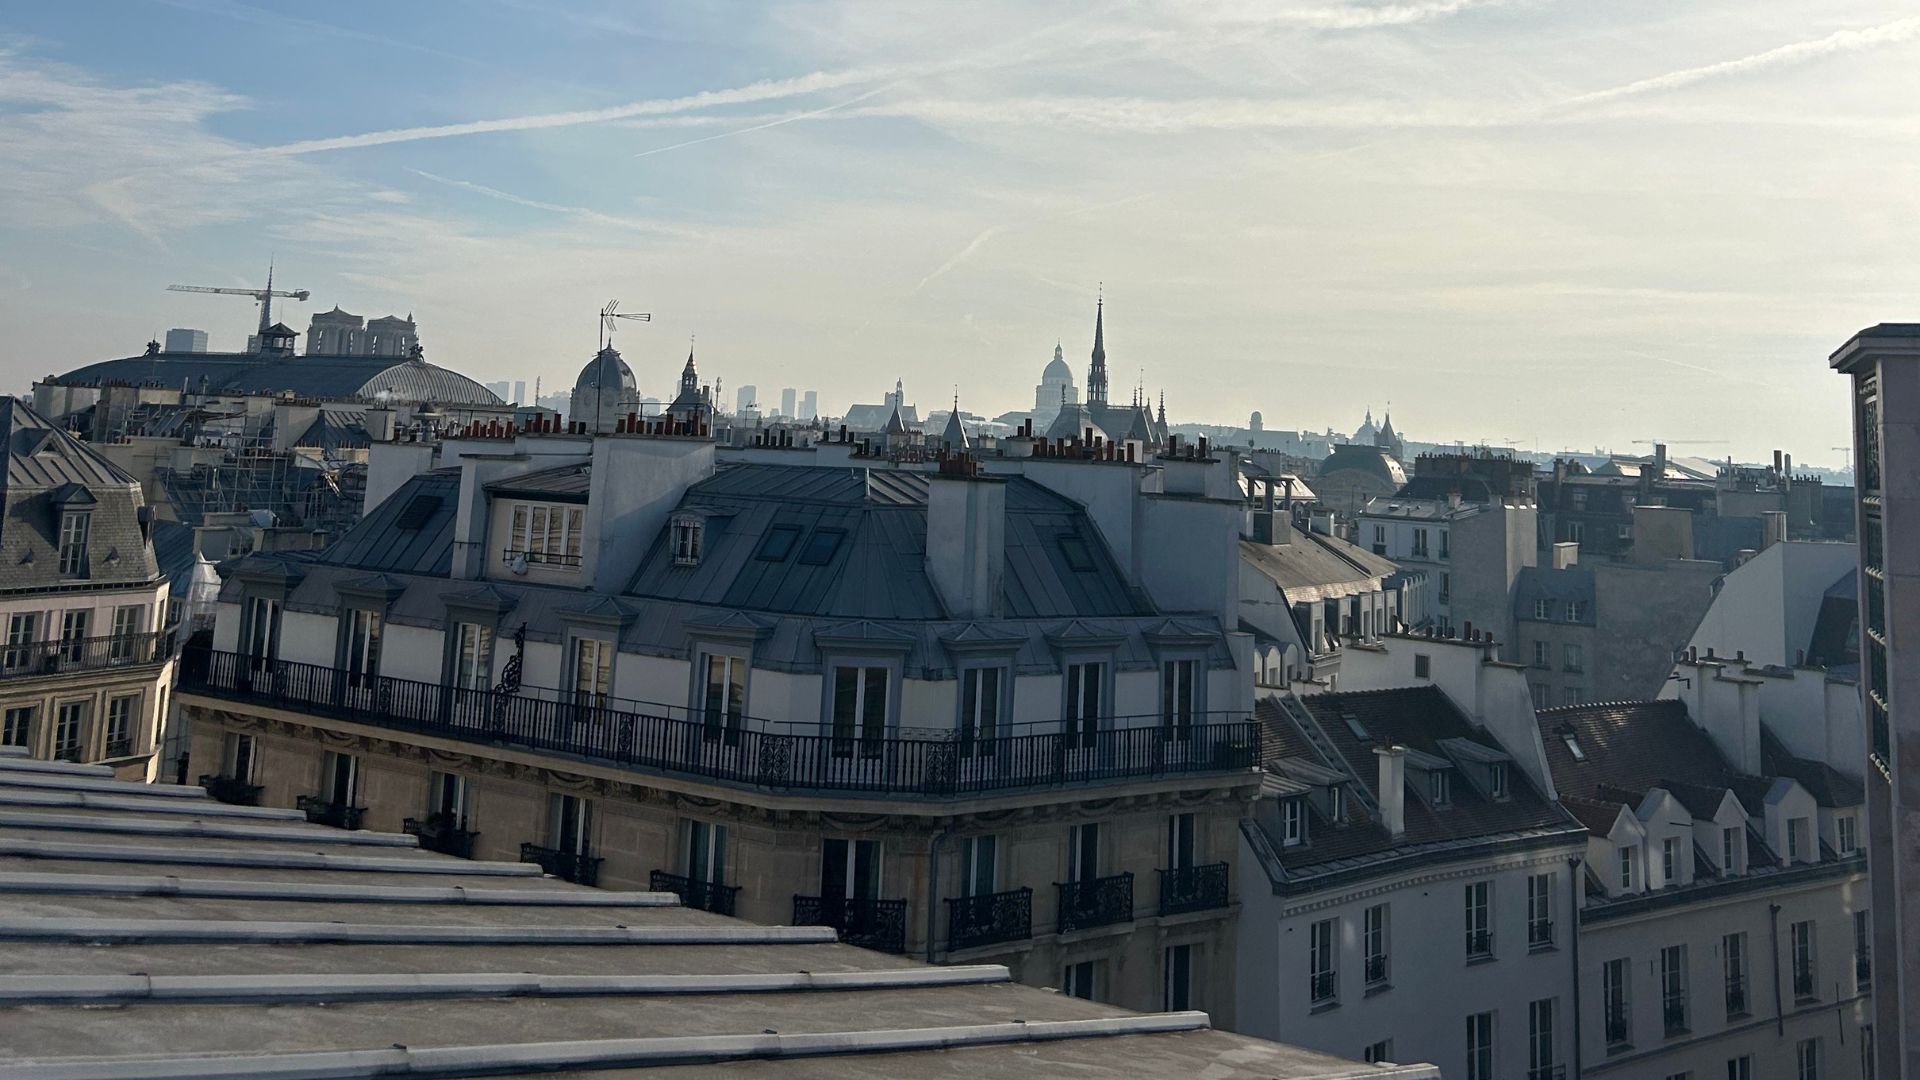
[1554,224]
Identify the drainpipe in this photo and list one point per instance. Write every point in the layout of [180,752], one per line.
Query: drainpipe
[1573,942]
[933,882]
[1773,935]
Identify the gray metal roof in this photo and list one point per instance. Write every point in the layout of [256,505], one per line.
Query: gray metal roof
[307,376]
[1313,567]
[48,469]
[410,533]
[1557,587]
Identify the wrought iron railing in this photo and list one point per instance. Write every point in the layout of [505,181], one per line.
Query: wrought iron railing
[1095,902]
[991,919]
[1193,888]
[1479,943]
[120,747]
[324,811]
[545,558]
[703,895]
[234,792]
[442,833]
[1322,986]
[1737,996]
[796,757]
[1376,969]
[565,865]
[1673,1012]
[84,654]
[862,921]
[1539,933]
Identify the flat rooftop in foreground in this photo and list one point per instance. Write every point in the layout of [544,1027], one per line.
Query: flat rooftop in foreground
[152,932]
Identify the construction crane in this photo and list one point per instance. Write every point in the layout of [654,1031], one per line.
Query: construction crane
[263,296]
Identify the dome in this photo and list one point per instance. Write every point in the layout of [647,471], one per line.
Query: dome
[606,371]
[1057,371]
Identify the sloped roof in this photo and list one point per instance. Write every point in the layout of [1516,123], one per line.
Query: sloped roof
[48,470]
[151,930]
[411,532]
[1829,786]
[1314,567]
[1633,745]
[1557,587]
[337,430]
[307,376]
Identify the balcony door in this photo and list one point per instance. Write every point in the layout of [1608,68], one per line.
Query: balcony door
[1086,686]
[572,826]
[362,662]
[73,635]
[449,800]
[1180,828]
[592,672]
[343,779]
[23,631]
[263,632]
[859,720]
[723,699]
[1179,699]
[706,853]
[1083,852]
[979,866]
[850,869]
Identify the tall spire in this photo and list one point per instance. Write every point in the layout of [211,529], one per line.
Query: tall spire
[1163,409]
[266,302]
[1097,374]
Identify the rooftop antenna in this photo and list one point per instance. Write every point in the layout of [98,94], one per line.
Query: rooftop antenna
[611,312]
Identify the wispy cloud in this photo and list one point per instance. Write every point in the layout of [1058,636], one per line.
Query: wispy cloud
[585,214]
[1841,41]
[961,256]
[765,124]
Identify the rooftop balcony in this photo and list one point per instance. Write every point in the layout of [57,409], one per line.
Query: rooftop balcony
[742,751]
[42,658]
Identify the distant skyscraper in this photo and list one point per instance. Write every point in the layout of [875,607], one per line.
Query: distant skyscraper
[519,391]
[181,340]
[809,405]
[500,389]
[787,397]
[746,397]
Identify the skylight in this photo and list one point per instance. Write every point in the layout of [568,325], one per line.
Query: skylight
[778,543]
[1075,549]
[821,546]
[1573,747]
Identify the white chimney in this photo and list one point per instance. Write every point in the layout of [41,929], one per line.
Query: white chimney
[1566,553]
[967,543]
[1393,789]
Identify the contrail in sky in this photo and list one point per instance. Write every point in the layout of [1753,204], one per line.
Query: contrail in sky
[775,122]
[1842,41]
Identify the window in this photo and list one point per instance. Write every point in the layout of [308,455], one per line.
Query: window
[1074,549]
[1179,697]
[723,698]
[686,542]
[859,710]
[1847,840]
[1179,990]
[363,647]
[1628,853]
[1574,695]
[73,634]
[1796,839]
[1379,539]
[1740,1068]
[778,543]
[73,543]
[1085,683]
[850,869]
[1670,860]
[1479,907]
[69,730]
[1180,834]
[1379,1053]
[1540,1037]
[341,775]
[1729,849]
[1422,666]
[448,799]
[263,631]
[1807,1057]
[980,709]
[1446,586]
[1480,1046]
[1576,610]
[1323,983]
[17,729]
[1804,984]
[1733,960]
[592,671]
[1614,1001]
[1543,654]
[1077,980]
[237,757]
[1445,551]
[1869,1065]
[1862,950]
[1083,852]
[549,535]
[1542,697]
[1439,787]
[706,853]
[1497,779]
[979,866]
[1542,609]
[571,824]
[1673,989]
[1374,943]
[127,620]
[120,719]
[1540,910]
[1572,659]
[472,656]
[1577,531]
[821,546]
[22,632]
[1293,822]
[1420,543]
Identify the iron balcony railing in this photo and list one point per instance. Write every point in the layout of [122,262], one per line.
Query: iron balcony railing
[1322,986]
[565,865]
[703,895]
[1479,943]
[1673,1011]
[1095,902]
[233,792]
[1539,933]
[84,654]
[1376,970]
[862,921]
[545,558]
[1193,888]
[324,811]
[1616,1025]
[442,833]
[785,757]
[120,747]
[1737,996]
[973,921]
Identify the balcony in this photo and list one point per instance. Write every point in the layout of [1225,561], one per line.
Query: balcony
[1540,934]
[1095,902]
[565,865]
[701,895]
[761,754]
[119,747]
[1322,987]
[1673,1013]
[1193,888]
[1737,996]
[441,833]
[1376,970]
[323,811]
[542,558]
[84,654]
[973,921]
[230,791]
[1479,944]
[871,924]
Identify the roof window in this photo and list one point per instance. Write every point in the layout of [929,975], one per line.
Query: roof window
[821,547]
[1074,547]
[417,513]
[1573,747]
[778,543]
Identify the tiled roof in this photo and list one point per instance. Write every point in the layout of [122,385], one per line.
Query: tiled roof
[1631,745]
[150,931]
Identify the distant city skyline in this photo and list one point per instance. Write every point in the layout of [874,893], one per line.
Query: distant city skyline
[1523,221]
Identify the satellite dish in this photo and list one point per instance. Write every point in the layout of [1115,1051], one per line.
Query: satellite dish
[518,563]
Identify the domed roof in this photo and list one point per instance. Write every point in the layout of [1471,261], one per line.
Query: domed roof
[1057,371]
[606,371]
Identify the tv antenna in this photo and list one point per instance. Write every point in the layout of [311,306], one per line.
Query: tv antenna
[611,312]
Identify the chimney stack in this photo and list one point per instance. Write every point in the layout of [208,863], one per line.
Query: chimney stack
[967,542]
[1393,789]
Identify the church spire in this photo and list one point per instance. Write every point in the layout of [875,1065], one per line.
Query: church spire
[1097,374]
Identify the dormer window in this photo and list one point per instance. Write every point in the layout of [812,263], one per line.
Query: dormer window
[1796,839]
[1497,779]
[1729,849]
[1439,787]
[686,541]
[1626,867]
[1847,840]
[74,526]
[1293,822]
[547,535]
